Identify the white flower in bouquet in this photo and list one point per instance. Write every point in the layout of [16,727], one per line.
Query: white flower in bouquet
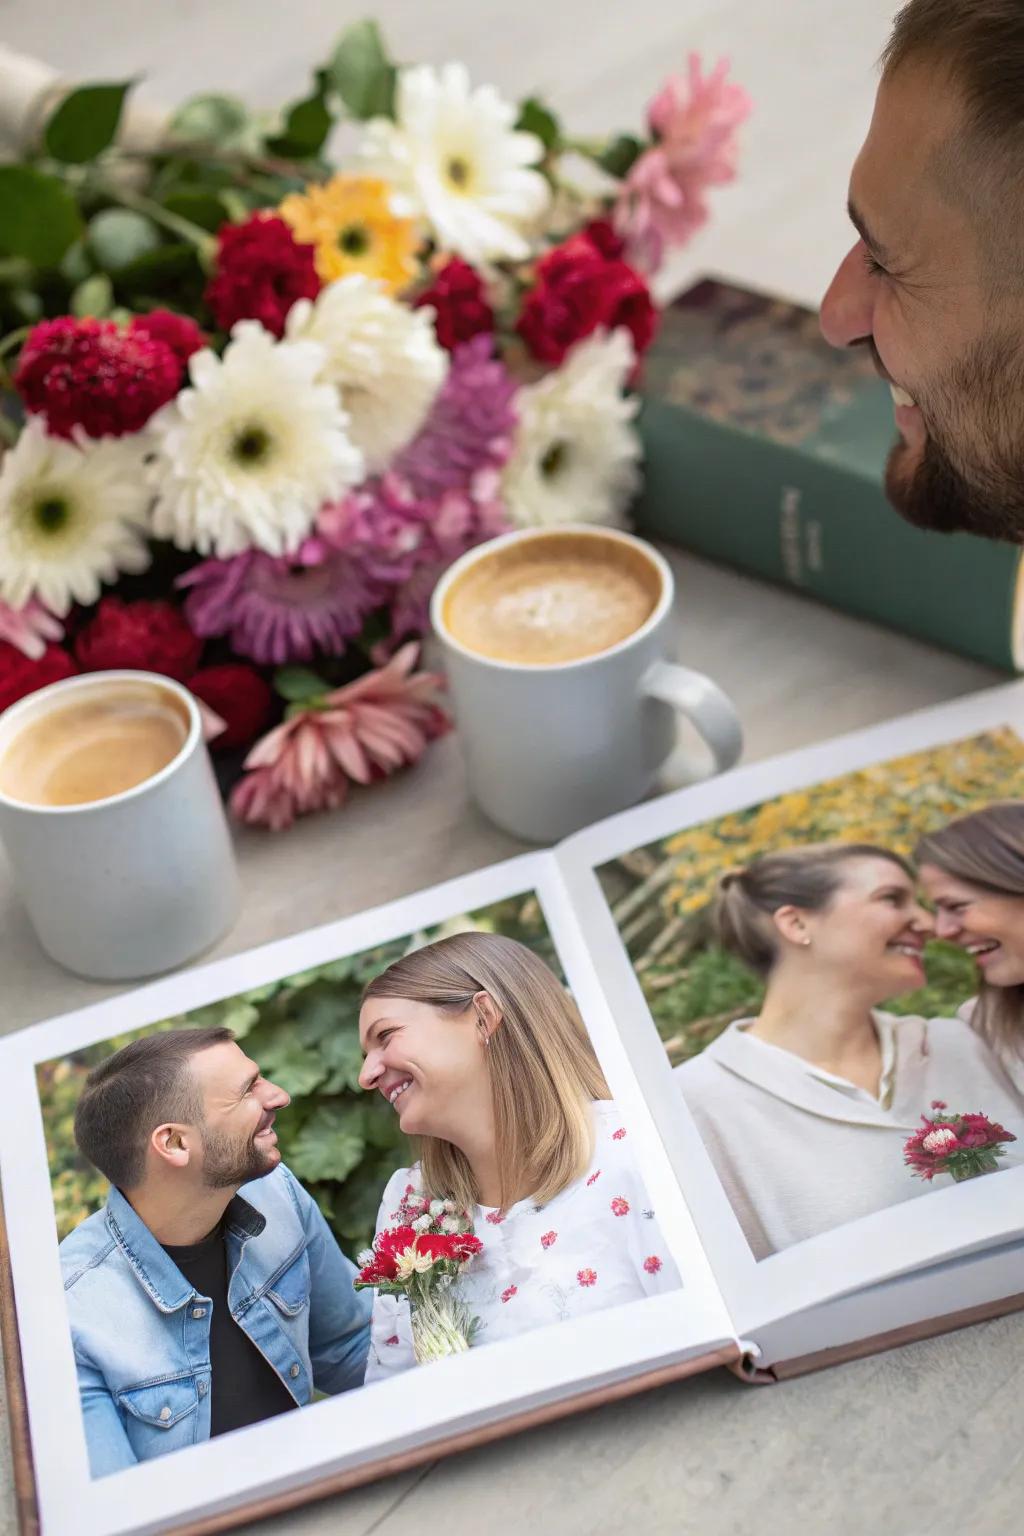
[576,453]
[455,159]
[72,515]
[383,358]
[249,452]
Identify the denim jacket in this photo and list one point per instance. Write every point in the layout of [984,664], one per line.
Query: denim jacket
[141,1333]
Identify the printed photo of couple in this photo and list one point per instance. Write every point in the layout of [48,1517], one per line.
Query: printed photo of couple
[837,976]
[334,1178]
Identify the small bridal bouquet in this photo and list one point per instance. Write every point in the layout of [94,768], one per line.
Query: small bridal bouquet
[421,1258]
[961,1145]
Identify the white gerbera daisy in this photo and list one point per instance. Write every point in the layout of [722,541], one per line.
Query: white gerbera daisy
[247,455]
[72,515]
[575,454]
[383,357]
[454,158]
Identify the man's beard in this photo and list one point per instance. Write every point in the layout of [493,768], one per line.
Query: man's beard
[986,496]
[226,1165]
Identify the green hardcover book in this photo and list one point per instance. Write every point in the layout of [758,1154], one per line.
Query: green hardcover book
[765,448]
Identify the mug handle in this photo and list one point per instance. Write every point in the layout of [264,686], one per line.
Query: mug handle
[702,702]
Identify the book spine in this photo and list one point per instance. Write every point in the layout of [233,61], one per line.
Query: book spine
[794,518]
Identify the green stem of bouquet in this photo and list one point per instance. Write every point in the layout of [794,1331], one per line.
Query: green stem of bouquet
[204,242]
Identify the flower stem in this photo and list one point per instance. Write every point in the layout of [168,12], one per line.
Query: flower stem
[203,241]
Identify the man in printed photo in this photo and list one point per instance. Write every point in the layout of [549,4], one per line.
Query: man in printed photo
[209,1293]
[934,286]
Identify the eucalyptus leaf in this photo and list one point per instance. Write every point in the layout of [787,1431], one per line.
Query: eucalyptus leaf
[38,216]
[94,296]
[25,304]
[330,1144]
[164,266]
[119,236]
[297,684]
[85,123]
[213,119]
[76,264]
[536,118]
[619,157]
[306,127]
[361,72]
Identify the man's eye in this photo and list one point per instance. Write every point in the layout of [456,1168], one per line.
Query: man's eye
[874,267]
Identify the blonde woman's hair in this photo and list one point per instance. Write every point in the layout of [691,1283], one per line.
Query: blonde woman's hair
[544,1073]
[807,878]
[987,849]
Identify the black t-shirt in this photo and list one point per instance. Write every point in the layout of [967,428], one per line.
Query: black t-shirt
[245,1388]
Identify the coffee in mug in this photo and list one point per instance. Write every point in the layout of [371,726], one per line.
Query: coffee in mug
[552,599]
[113,824]
[94,744]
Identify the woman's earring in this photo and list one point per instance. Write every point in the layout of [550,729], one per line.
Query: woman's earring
[805,942]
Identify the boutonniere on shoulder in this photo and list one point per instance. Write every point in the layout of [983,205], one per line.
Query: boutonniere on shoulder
[961,1145]
[421,1258]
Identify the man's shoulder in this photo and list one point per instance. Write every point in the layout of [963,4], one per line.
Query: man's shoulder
[88,1246]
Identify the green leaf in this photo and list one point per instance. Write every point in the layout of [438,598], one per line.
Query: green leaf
[118,236]
[26,304]
[330,1144]
[158,268]
[85,123]
[343,1054]
[234,1013]
[206,208]
[536,118]
[75,264]
[620,155]
[297,684]
[221,120]
[292,1066]
[305,128]
[93,297]
[38,215]
[361,73]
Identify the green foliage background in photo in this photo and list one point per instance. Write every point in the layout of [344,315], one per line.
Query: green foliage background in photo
[342,1143]
[661,894]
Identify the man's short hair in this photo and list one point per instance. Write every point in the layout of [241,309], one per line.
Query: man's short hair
[981,44]
[143,1085]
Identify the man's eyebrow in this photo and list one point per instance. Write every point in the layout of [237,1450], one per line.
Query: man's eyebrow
[249,1082]
[860,225]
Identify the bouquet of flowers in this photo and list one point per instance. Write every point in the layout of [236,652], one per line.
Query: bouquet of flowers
[421,1259]
[961,1145]
[253,405]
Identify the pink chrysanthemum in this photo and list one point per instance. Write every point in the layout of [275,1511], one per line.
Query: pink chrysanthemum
[91,374]
[470,427]
[652,1264]
[29,629]
[366,730]
[694,119]
[276,610]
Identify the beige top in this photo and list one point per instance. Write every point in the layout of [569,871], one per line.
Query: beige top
[799,1150]
[1011,1061]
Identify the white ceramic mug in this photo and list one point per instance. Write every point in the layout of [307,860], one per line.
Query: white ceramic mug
[551,747]
[130,885]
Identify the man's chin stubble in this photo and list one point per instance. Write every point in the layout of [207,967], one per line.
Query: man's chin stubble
[935,496]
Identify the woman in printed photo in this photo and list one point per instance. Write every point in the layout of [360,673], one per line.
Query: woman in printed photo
[805,1109]
[973,873]
[487,1063]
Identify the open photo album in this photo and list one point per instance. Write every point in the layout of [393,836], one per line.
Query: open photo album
[762,1035]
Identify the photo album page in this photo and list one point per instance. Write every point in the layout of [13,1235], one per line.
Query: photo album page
[760,1027]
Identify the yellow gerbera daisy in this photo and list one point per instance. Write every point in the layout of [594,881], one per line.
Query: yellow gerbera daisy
[349,221]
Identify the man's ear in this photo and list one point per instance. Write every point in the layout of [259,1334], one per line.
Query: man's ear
[174,1145]
[489,1015]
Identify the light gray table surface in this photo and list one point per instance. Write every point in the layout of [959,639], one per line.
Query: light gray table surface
[922,1440]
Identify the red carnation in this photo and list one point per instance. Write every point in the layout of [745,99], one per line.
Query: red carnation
[20,676]
[578,289]
[603,234]
[143,636]
[91,374]
[178,332]
[261,271]
[397,1240]
[460,304]
[241,698]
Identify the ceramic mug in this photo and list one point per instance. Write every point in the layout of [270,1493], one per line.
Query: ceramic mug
[133,884]
[551,747]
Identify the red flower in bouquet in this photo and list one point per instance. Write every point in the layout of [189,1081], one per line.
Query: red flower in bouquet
[364,731]
[261,270]
[459,300]
[421,1261]
[961,1145]
[178,332]
[21,675]
[148,636]
[579,287]
[241,698]
[91,374]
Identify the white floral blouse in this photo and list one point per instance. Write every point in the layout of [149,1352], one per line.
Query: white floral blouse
[595,1245]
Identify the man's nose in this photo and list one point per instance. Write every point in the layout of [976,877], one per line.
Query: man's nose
[847,310]
[275,1097]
